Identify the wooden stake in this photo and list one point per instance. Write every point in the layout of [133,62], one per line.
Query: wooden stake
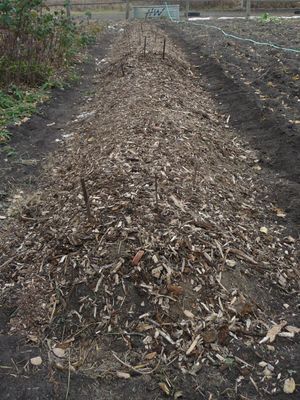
[127,10]
[86,200]
[156,192]
[122,69]
[164,49]
[248,8]
[145,45]
[68,7]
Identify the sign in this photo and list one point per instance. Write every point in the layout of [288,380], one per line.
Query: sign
[149,12]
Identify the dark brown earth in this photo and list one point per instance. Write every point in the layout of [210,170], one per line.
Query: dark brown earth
[264,112]
[270,133]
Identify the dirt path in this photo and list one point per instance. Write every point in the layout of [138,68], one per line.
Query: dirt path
[164,278]
[35,139]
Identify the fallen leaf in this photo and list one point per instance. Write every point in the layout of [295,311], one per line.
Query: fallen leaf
[264,230]
[273,332]
[178,394]
[143,327]
[178,203]
[137,258]
[243,308]
[58,352]
[33,338]
[292,329]
[231,263]
[188,314]
[279,212]
[223,335]
[123,375]
[164,388]
[156,272]
[151,356]
[36,361]
[289,386]
[209,336]
[175,289]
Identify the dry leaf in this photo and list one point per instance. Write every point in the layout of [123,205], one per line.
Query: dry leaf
[273,332]
[178,394]
[292,329]
[151,356]
[33,338]
[193,345]
[289,386]
[175,289]
[279,212]
[231,263]
[243,308]
[188,314]
[58,352]
[137,258]
[156,272]
[164,388]
[209,336]
[36,361]
[143,327]
[264,230]
[123,375]
[178,203]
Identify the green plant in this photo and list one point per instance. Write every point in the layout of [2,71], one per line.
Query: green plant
[36,41]
[17,104]
[266,17]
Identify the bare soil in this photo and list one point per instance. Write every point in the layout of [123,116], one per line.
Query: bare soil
[259,88]
[141,134]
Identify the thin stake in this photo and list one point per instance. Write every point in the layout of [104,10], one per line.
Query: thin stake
[164,49]
[156,192]
[122,69]
[195,175]
[86,200]
[145,45]
[69,377]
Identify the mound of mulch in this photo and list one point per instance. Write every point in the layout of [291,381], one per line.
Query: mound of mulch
[148,229]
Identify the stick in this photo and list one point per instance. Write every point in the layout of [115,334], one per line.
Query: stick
[69,377]
[195,176]
[164,49]
[122,69]
[156,192]
[145,45]
[86,200]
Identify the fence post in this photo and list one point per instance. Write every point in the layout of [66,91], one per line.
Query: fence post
[187,8]
[68,7]
[127,9]
[248,8]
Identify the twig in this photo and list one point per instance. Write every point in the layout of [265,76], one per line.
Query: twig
[164,49]
[136,369]
[122,69]
[86,200]
[145,45]
[156,192]
[69,376]
[6,263]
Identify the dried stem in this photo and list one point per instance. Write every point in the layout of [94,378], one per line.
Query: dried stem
[86,200]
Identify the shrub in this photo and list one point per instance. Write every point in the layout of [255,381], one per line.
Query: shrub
[33,41]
